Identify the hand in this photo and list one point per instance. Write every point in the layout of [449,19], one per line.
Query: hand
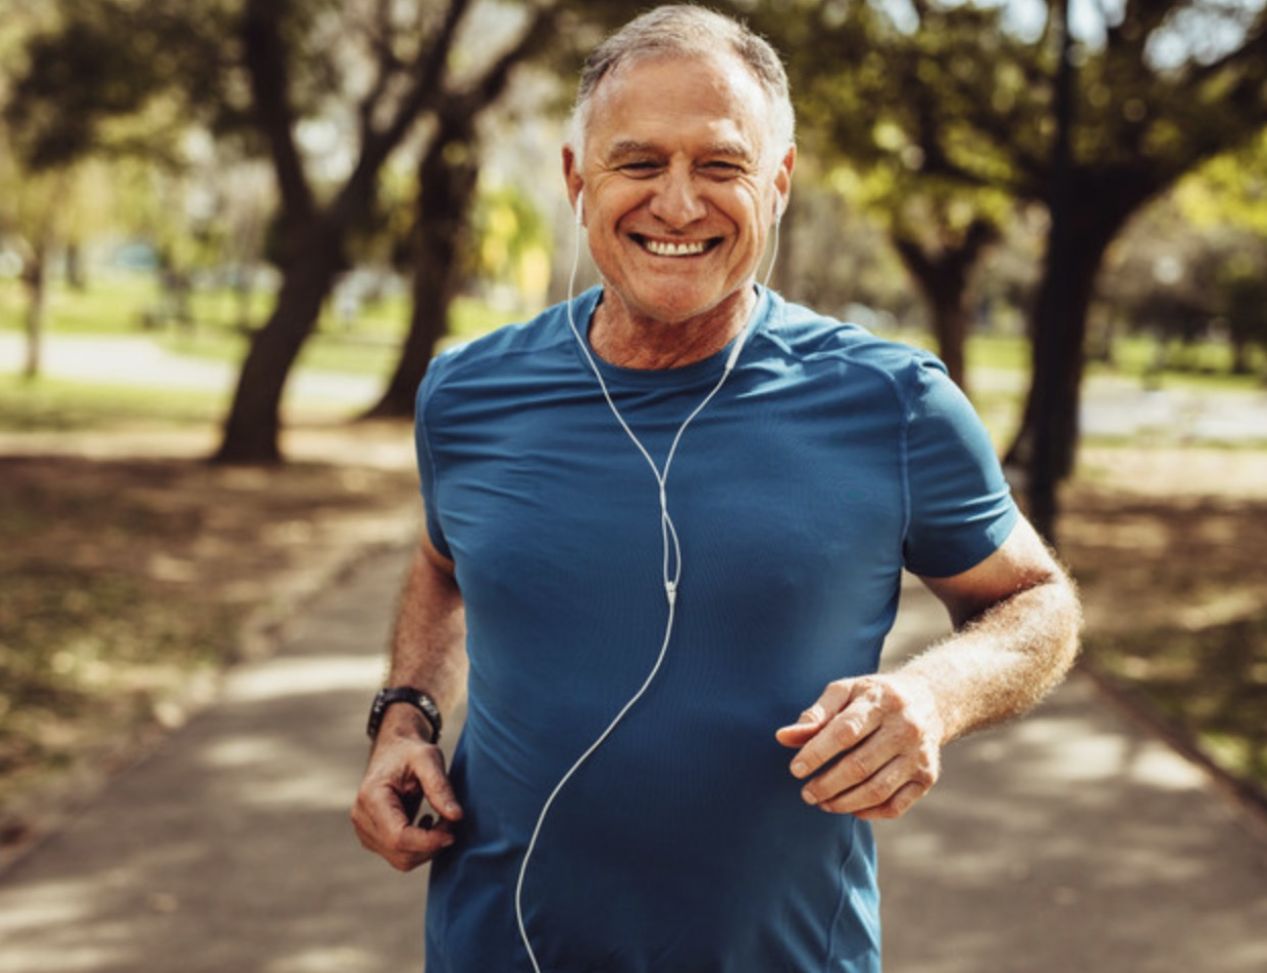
[887,732]
[402,770]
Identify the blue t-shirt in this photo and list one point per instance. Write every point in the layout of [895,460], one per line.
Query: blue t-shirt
[828,462]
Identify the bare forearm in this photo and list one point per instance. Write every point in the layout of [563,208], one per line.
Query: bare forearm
[1004,661]
[405,764]
[429,641]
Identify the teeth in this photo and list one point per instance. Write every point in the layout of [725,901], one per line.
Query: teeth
[675,249]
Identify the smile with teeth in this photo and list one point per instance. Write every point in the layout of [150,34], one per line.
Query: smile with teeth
[670,248]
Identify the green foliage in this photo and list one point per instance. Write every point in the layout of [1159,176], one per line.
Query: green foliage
[513,240]
[1229,190]
[114,77]
[53,405]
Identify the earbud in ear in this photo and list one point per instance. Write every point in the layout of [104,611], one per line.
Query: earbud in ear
[580,207]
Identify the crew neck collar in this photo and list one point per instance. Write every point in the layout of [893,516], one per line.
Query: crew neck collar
[583,308]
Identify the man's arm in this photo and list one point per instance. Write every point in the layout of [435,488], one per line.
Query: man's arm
[428,652]
[1016,619]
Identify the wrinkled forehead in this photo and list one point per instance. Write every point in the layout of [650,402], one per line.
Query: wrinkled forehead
[661,91]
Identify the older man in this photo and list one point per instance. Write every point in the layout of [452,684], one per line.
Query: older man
[661,518]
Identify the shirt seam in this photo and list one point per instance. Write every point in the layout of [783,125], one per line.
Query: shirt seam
[431,462]
[848,355]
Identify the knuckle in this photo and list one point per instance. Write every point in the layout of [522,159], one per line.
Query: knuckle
[842,730]
[908,733]
[874,793]
[892,702]
[836,732]
[855,766]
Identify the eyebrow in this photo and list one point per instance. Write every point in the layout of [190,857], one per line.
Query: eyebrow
[628,147]
[625,148]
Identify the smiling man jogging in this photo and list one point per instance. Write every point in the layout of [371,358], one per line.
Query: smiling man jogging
[666,525]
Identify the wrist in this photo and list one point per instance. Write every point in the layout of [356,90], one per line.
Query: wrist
[404,722]
[425,720]
[918,689]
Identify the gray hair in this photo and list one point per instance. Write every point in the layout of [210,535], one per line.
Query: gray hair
[685,30]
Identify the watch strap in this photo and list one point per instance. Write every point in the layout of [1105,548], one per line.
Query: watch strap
[417,698]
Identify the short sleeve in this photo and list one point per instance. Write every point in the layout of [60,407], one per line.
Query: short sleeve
[426,456]
[960,508]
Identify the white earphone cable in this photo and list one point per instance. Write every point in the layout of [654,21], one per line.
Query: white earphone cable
[671,571]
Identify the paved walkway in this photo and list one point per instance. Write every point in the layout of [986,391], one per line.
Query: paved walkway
[1070,841]
[142,361]
[1111,405]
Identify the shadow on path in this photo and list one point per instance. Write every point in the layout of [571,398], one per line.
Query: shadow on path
[1068,841]
[230,849]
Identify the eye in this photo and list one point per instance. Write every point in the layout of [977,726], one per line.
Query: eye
[722,170]
[640,168]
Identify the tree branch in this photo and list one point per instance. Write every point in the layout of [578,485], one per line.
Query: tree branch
[424,92]
[387,67]
[428,71]
[1249,54]
[488,88]
[270,84]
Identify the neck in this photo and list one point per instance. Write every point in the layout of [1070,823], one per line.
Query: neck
[621,336]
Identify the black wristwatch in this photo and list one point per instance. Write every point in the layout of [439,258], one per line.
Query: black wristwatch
[416,698]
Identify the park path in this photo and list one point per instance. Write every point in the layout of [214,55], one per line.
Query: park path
[1072,840]
[141,361]
[1111,405]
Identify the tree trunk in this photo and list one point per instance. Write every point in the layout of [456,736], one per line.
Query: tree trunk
[447,180]
[1081,230]
[76,275]
[944,278]
[35,276]
[1059,323]
[950,327]
[252,428]
[1240,355]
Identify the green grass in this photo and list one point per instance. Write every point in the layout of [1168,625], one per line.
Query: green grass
[54,405]
[120,304]
[1204,366]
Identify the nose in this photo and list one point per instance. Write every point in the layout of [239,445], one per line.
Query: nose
[676,203]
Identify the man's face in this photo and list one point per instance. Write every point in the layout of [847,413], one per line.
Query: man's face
[681,183]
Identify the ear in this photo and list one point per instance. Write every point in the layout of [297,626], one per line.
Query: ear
[575,183]
[783,182]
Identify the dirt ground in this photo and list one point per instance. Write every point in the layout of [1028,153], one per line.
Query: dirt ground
[132,581]
[1168,547]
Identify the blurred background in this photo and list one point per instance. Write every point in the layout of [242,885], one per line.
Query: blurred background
[233,233]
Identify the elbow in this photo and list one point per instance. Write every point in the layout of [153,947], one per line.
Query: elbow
[1064,622]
